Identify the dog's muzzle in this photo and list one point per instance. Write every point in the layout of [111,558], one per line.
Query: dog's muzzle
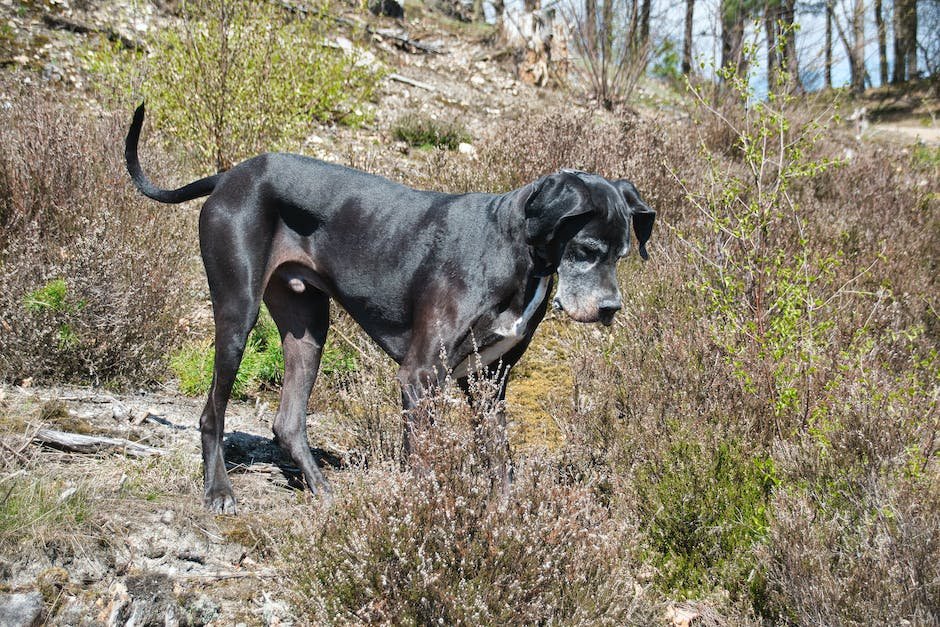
[604,313]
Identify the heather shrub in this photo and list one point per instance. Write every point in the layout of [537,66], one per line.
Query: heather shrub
[762,405]
[856,554]
[90,271]
[436,546]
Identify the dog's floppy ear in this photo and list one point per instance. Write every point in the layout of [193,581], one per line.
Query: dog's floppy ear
[549,205]
[643,215]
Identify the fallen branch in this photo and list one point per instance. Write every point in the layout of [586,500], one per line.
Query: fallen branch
[230,574]
[99,399]
[266,468]
[412,82]
[89,444]
[404,42]
[495,56]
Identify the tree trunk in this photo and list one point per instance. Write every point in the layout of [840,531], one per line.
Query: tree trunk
[687,42]
[607,30]
[882,43]
[732,36]
[905,40]
[911,32]
[790,59]
[634,30]
[645,21]
[590,25]
[829,44]
[770,27]
[899,73]
[857,50]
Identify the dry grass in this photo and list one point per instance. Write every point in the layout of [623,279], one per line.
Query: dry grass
[88,268]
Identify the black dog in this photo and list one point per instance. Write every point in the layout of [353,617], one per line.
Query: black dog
[424,273]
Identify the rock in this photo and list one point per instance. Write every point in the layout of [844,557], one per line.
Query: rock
[120,412]
[201,610]
[681,616]
[388,8]
[144,599]
[466,149]
[154,552]
[274,612]
[20,610]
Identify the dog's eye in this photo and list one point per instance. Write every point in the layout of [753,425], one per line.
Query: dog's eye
[584,254]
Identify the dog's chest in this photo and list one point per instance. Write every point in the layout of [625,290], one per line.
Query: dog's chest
[511,330]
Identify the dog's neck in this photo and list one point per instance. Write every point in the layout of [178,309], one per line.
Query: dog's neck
[509,331]
[516,328]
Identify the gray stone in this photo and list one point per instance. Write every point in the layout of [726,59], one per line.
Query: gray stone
[20,610]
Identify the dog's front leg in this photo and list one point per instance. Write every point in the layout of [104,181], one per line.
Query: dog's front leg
[417,383]
[492,439]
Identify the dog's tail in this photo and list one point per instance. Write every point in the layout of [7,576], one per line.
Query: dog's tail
[196,189]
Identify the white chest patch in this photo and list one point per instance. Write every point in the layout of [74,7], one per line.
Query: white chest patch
[511,331]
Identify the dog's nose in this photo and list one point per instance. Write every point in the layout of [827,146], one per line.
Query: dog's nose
[608,308]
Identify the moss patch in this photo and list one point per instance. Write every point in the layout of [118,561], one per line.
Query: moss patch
[540,380]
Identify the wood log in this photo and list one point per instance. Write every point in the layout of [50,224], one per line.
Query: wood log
[90,444]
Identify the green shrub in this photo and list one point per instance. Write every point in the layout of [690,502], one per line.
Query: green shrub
[706,507]
[423,131]
[262,365]
[234,78]
[768,287]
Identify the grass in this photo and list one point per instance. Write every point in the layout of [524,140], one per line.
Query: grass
[425,132]
[262,364]
[34,510]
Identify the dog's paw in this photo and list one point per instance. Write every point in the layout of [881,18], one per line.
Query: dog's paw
[323,493]
[326,498]
[221,503]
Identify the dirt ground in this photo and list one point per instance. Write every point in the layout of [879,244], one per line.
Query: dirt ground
[142,545]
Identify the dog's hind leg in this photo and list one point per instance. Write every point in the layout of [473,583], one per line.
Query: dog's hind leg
[235,272]
[302,315]
[234,318]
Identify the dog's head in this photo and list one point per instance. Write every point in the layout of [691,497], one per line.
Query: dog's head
[578,225]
